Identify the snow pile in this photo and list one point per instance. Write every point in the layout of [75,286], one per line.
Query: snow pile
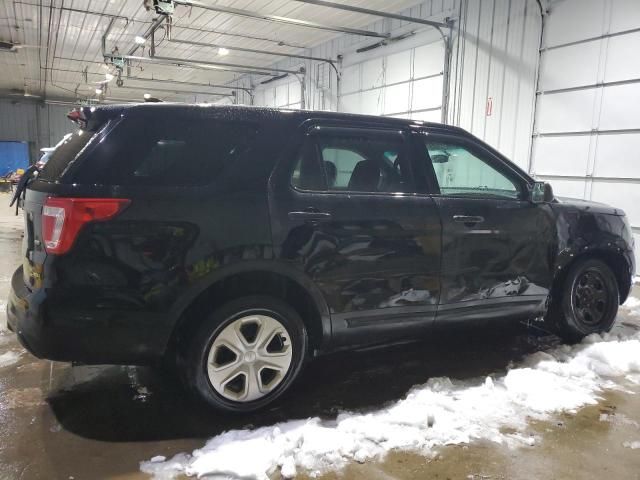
[8,358]
[3,316]
[631,306]
[440,412]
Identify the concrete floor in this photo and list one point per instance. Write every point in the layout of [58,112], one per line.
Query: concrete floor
[63,422]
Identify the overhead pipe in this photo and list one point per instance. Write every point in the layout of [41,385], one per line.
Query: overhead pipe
[253,50]
[224,65]
[195,84]
[279,19]
[178,92]
[199,65]
[376,13]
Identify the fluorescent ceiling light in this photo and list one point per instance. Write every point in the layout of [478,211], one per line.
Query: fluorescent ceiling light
[140,40]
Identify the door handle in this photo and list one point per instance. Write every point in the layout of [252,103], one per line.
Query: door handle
[311,216]
[468,220]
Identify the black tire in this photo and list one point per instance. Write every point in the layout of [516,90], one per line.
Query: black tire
[195,357]
[588,302]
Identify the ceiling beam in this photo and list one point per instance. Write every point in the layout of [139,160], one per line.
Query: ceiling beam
[199,65]
[151,79]
[148,32]
[376,13]
[251,50]
[279,19]
[169,90]
[264,70]
[180,82]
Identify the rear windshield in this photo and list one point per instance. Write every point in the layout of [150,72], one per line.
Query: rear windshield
[164,151]
[64,154]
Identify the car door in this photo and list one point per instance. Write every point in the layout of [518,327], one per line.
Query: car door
[497,246]
[344,210]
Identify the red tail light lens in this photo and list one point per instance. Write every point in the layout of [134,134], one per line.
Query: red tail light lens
[63,218]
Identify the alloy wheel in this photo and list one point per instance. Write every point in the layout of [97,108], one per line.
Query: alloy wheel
[590,298]
[249,358]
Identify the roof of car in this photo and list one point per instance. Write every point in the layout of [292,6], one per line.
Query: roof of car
[261,113]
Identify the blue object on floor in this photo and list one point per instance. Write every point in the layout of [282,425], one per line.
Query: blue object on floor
[13,155]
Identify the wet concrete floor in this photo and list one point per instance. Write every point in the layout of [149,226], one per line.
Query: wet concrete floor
[64,422]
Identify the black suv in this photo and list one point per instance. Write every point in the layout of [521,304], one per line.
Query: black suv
[240,241]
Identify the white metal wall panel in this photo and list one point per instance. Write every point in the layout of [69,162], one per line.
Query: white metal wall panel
[623,60]
[571,66]
[493,73]
[587,130]
[620,107]
[425,48]
[400,84]
[566,112]
[284,93]
[563,155]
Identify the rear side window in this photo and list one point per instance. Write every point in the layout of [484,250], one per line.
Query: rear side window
[64,154]
[353,160]
[166,152]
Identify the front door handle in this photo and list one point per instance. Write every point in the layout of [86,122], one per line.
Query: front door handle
[311,216]
[468,220]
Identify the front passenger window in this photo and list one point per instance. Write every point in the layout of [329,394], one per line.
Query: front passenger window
[462,173]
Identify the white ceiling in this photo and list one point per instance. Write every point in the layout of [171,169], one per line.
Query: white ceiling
[63,43]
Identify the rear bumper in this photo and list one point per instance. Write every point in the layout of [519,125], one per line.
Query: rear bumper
[61,333]
[24,318]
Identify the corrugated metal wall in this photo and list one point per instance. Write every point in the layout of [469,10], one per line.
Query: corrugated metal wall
[587,134]
[494,58]
[493,73]
[39,125]
[369,77]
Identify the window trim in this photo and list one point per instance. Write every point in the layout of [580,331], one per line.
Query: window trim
[478,150]
[317,129]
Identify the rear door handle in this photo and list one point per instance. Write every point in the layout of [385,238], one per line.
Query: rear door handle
[310,216]
[468,220]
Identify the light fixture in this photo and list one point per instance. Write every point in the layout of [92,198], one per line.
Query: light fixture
[147,96]
[223,51]
[140,40]
[99,91]
[108,76]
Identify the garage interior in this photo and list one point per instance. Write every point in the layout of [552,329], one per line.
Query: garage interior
[554,85]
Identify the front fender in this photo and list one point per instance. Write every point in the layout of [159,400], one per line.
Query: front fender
[586,233]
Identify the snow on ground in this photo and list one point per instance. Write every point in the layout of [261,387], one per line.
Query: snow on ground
[632,305]
[443,411]
[9,358]
[3,316]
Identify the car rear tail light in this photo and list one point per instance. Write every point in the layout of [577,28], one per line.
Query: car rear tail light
[63,218]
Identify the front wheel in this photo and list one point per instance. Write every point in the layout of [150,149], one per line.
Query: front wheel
[246,353]
[589,301]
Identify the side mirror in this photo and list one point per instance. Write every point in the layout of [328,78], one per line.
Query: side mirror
[541,192]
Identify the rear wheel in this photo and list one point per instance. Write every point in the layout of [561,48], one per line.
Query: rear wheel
[589,301]
[246,353]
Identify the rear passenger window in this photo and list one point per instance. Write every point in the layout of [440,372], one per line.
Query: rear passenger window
[166,151]
[354,160]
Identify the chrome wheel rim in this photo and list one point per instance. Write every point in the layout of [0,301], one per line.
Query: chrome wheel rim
[249,358]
